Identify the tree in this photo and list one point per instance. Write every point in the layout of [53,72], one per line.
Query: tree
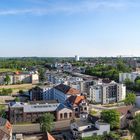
[21,91]
[135,127]
[2,111]
[121,66]
[41,72]
[130,99]
[46,122]
[113,136]
[7,79]
[137,78]
[17,99]
[94,138]
[6,91]
[9,90]
[137,84]
[128,83]
[112,117]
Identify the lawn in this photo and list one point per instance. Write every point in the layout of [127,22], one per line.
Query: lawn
[8,70]
[16,88]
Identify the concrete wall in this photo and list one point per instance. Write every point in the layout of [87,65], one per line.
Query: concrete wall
[102,128]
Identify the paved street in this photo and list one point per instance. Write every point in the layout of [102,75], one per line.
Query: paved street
[35,128]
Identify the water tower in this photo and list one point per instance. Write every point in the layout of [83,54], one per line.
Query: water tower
[77,58]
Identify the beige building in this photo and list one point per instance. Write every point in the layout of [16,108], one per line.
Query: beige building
[64,114]
[19,78]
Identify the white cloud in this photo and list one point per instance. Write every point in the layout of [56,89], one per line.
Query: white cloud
[81,7]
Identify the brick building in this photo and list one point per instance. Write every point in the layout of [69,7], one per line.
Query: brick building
[31,112]
[79,104]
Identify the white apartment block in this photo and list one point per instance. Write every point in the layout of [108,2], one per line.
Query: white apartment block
[107,93]
[95,93]
[132,76]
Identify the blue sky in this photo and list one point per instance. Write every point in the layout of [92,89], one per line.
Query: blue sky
[69,27]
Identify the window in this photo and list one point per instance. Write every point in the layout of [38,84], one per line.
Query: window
[70,115]
[61,116]
[85,108]
[65,115]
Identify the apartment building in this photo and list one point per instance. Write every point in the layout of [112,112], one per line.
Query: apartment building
[106,93]
[41,93]
[60,92]
[63,92]
[57,78]
[132,76]
[67,67]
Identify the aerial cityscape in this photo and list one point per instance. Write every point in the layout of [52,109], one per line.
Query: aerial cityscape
[69,70]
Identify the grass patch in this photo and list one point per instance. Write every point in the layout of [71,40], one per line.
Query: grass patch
[8,70]
[93,112]
[16,88]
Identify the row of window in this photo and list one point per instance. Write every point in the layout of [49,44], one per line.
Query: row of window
[65,115]
[45,106]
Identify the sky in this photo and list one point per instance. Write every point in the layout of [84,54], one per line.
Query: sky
[64,28]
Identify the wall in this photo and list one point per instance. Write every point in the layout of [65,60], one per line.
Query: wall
[65,110]
[102,128]
[60,96]
[35,78]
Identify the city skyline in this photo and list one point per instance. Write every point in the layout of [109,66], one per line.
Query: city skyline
[84,27]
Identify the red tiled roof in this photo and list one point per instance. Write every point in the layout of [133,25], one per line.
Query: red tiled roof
[75,100]
[50,137]
[67,89]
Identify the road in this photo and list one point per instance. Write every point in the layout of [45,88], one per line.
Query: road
[35,128]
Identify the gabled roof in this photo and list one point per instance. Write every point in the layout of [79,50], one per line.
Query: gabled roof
[67,89]
[61,106]
[75,100]
[49,137]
